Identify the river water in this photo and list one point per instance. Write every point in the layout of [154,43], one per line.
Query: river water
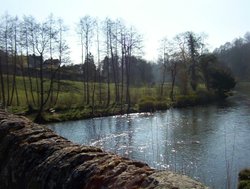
[209,143]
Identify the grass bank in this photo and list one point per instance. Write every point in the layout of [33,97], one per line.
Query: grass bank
[144,104]
[70,104]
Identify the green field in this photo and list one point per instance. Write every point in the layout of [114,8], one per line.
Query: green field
[71,105]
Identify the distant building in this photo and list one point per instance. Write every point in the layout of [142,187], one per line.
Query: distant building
[51,63]
[34,61]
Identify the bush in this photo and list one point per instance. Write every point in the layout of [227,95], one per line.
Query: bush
[204,97]
[150,104]
[244,179]
[186,100]
[245,184]
[222,81]
[161,105]
[146,104]
[198,98]
[244,174]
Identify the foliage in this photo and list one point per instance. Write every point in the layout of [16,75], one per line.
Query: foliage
[193,47]
[147,104]
[115,80]
[186,100]
[206,63]
[222,81]
[198,98]
[236,56]
[244,174]
[244,179]
[244,184]
[150,104]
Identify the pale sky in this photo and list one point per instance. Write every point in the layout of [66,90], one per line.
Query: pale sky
[221,20]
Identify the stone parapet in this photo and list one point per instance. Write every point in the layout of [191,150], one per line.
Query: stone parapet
[33,156]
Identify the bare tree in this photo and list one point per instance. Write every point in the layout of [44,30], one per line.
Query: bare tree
[23,43]
[14,28]
[173,72]
[63,52]
[106,30]
[171,55]
[123,50]
[42,38]
[85,29]
[53,33]
[132,45]
[6,39]
[28,31]
[3,103]
[2,61]
[113,40]
[181,54]
[99,66]
[163,61]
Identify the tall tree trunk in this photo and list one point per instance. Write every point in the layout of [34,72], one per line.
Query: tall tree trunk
[39,117]
[113,67]
[3,104]
[24,81]
[122,77]
[58,87]
[7,71]
[127,65]
[93,94]
[108,83]
[173,76]
[30,79]
[15,70]
[52,82]
[99,65]
[87,76]
[163,79]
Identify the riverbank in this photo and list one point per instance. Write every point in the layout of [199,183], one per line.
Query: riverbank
[69,103]
[146,104]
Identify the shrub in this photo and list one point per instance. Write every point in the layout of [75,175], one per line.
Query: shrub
[146,105]
[222,81]
[204,97]
[198,98]
[186,100]
[161,105]
[244,174]
[244,179]
[244,184]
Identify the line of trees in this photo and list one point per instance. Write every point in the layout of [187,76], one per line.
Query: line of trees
[188,63]
[27,42]
[110,62]
[120,44]
[236,56]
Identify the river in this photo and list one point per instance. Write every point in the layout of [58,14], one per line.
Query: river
[209,143]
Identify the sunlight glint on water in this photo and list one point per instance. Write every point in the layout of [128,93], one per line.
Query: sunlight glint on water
[205,143]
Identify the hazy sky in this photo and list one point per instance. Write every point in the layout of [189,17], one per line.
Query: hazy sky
[222,20]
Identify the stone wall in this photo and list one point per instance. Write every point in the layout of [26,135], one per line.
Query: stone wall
[33,156]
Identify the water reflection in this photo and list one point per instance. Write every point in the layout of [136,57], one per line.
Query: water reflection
[206,143]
